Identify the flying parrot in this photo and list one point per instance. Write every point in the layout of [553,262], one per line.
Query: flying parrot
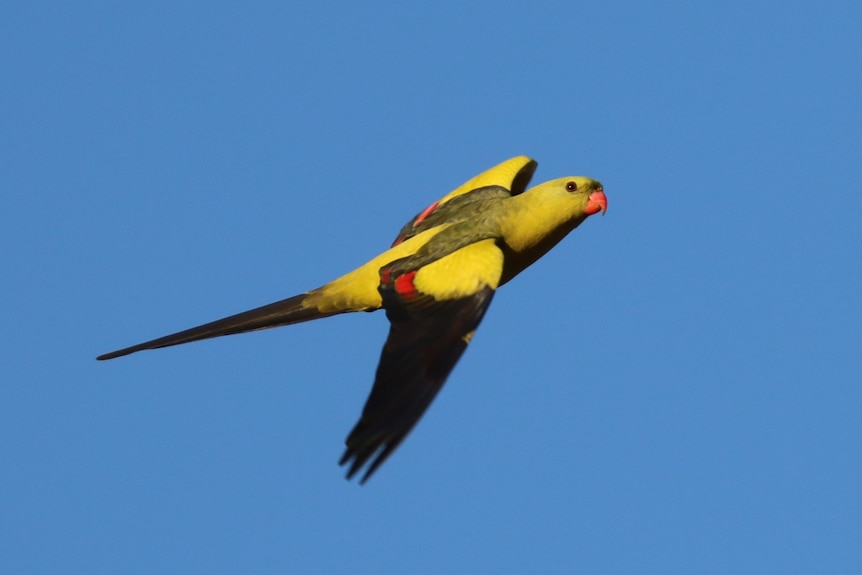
[435,283]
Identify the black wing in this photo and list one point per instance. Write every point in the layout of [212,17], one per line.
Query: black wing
[426,339]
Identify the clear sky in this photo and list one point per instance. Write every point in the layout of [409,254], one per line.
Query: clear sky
[676,388]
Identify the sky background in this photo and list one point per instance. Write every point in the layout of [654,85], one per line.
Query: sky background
[674,389]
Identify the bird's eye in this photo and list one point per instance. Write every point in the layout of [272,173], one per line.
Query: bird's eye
[571,187]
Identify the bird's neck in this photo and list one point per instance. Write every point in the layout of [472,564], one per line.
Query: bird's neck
[530,228]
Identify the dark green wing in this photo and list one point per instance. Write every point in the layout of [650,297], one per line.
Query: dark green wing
[458,209]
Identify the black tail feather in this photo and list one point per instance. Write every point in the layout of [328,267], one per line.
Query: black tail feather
[284,312]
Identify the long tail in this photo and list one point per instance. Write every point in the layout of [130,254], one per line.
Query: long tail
[287,311]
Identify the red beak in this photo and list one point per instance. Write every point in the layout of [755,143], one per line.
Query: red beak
[597,202]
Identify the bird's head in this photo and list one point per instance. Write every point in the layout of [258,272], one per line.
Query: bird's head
[544,214]
[573,196]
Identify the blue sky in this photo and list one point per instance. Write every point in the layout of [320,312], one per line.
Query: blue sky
[675,388]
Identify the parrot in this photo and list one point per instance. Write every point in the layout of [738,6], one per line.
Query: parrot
[435,284]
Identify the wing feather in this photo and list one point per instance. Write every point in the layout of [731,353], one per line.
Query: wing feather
[510,177]
[427,337]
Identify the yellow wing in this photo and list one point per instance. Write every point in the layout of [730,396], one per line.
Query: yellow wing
[513,174]
[506,179]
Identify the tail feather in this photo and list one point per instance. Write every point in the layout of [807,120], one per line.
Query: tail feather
[284,312]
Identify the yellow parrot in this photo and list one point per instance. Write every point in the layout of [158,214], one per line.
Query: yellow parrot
[435,283]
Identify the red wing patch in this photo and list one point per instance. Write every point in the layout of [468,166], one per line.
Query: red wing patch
[404,285]
[412,225]
[426,212]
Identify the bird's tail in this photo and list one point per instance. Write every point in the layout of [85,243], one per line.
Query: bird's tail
[294,309]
